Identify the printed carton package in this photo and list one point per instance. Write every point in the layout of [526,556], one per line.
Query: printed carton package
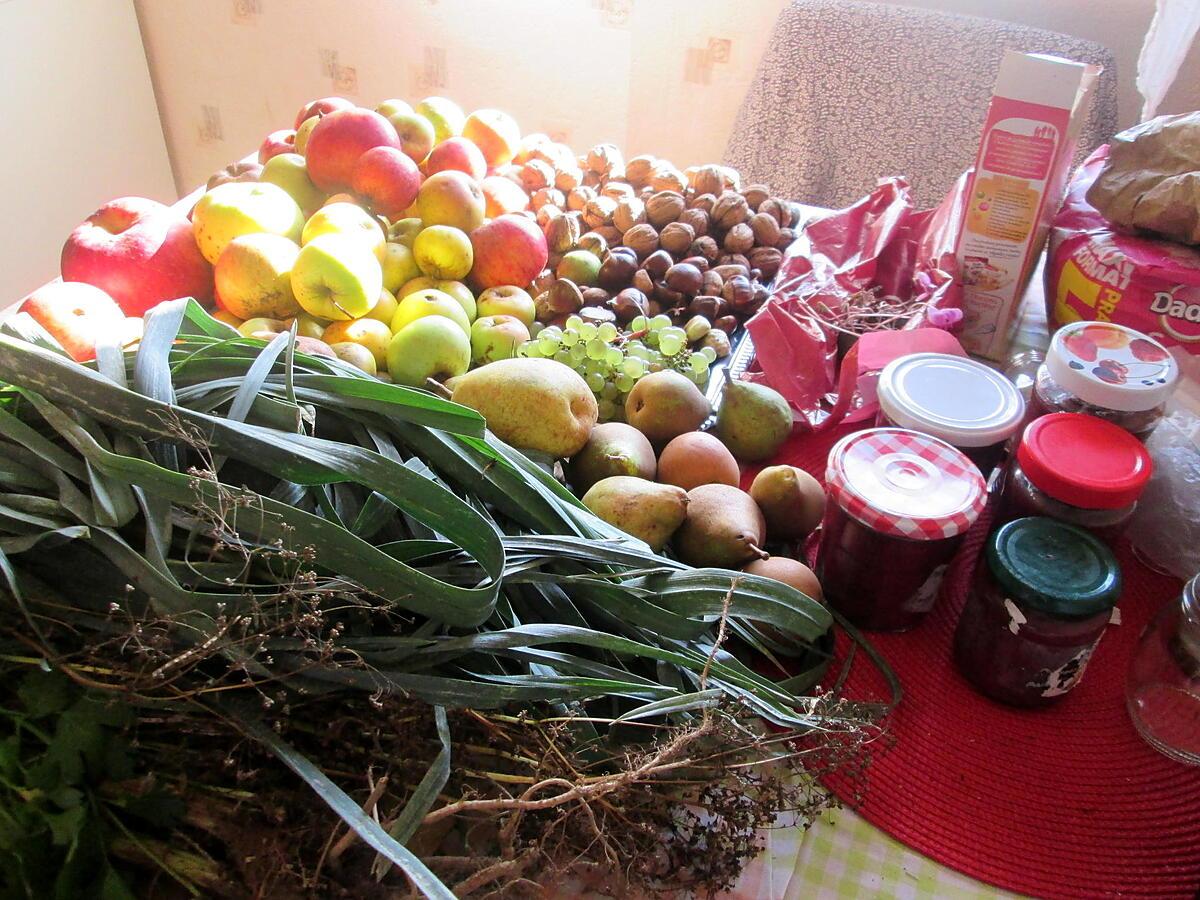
[1021,170]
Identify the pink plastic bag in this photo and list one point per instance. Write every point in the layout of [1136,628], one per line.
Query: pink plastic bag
[880,242]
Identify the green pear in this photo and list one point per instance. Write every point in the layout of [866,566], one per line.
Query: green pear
[753,420]
[791,500]
[644,509]
[613,449]
[533,404]
[724,528]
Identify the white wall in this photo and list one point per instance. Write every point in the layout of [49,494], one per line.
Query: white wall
[79,126]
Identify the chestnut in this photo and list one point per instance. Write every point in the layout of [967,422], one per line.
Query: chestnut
[628,304]
[684,278]
[657,263]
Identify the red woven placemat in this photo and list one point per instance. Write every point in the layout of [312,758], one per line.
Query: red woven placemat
[1062,802]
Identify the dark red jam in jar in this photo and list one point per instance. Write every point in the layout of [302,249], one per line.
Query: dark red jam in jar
[899,504]
[1043,595]
[963,402]
[1078,469]
[1108,371]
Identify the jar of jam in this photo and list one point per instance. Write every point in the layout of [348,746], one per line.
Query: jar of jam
[965,403]
[898,505]
[1077,469]
[1108,371]
[1042,597]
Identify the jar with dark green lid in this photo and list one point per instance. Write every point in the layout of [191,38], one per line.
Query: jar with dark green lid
[1043,595]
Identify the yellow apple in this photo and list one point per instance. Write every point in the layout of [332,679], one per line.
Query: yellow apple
[367,332]
[430,347]
[495,133]
[451,198]
[261,325]
[224,315]
[443,252]
[405,231]
[399,266]
[243,207]
[444,115]
[351,220]
[496,337]
[430,302]
[337,277]
[253,276]
[355,354]
[289,171]
[385,308]
[309,326]
[304,131]
[421,283]
[507,300]
[391,107]
[459,292]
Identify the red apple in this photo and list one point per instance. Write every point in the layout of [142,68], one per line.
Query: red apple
[509,249]
[337,142]
[76,314]
[503,195]
[283,141]
[238,171]
[322,107]
[140,252]
[495,133]
[456,153]
[387,179]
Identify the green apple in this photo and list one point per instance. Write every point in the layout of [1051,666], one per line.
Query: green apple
[366,332]
[496,337]
[444,115]
[405,231]
[355,354]
[309,326]
[430,347]
[444,252]
[580,266]
[399,266]
[304,131]
[260,325]
[415,133]
[337,277]
[243,207]
[507,300]
[429,302]
[385,308]
[459,292]
[290,172]
[349,219]
[389,108]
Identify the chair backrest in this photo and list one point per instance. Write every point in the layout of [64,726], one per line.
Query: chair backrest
[849,92]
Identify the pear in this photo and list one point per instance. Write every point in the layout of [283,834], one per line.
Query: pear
[724,528]
[791,500]
[753,420]
[613,449]
[697,458]
[533,404]
[644,509]
[665,404]
[789,571]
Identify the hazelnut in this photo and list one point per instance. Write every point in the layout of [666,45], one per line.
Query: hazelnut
[766,229]
[698,261]
[727,324]
[630,211]
[599,211]
[786,236]
[729,271]
[595,243]
[597,315]
[568,178]
[618,190]
[603,158]
[704,202]
[610,234]
[543,281]
[775,208]
[708,180]
[545,195]
[729,210]
[684,278]
[706,247]
[643,282]
[705,305]
[562,234]
[546,213]
[718,339]
[638,169]
[668,178]
[535,175]
[642,239]
[697,219]
[617,271]
[676,238]
[713,283]
[580,197]
[628,304]
[657,263]
[563,296]
[755,194]
[739,238]
[738,292]
[664,207]
[595,296]
[767,260]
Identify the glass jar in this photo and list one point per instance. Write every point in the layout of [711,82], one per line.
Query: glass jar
[899,504]
[1108,371]
[1163,691]
[965,403]
[1042,597]
[1021,369]
[1077,469]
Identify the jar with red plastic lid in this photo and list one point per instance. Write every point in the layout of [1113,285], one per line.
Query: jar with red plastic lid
[1107,371]
[899,503]
[1077,469]
[965,403]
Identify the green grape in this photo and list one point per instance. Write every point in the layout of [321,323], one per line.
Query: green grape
[595,367]
[710,354]
[608,409]
[625,383]
[607,332]
[639,323]
[659,322]
[699,363]
[675,330]
[573,322]
[651,339]
[633,367]
[578,352]
[696,328]
[613,356]
[700,378]
[547,343]
[587,330]
[570,338]
[596,349]
[530,349]
[595,382]
[609,391]
[535,329]
[563,356]
[619,413]
[670,343]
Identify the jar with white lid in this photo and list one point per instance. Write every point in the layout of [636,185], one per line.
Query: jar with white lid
[963,402]
[1108,371]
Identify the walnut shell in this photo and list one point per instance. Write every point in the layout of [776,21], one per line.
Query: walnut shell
[733,178]
[599,212]
[603,158]
[642,239]
[638,169]
[592,179]
[546,213]
[697,219]
[568,178]
[664,207]
[668,178]
[705,246]
[767,260]
[773,207]
[729,210]
[618,190]
[739,239]
[610,234]
[676,238]
[545,195]
[708,180]
[630,211]
[536,175]
[766,229]
[562,234]
[704,202]
[718,339]
[786,236]
[580,197]
[595,243]
[755,194]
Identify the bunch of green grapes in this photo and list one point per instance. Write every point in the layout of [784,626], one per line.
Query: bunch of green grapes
[611,361]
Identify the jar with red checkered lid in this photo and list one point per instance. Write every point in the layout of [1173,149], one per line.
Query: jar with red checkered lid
[899,503]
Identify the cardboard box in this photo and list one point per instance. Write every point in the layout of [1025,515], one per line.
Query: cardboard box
[1033,121]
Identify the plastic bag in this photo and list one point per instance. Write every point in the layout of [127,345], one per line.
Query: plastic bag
[1151,181]
[879,243]
[1165,529]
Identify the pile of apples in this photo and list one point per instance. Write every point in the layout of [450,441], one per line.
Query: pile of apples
[383,236]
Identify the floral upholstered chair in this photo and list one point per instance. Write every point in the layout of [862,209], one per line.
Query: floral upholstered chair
[850,92]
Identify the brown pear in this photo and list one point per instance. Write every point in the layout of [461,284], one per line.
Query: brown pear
[791,500]
[697,458]
[665,404]
[789,571]
[724,528]
[614,448]
[644,509]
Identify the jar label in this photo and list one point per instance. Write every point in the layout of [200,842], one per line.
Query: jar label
[1055,682]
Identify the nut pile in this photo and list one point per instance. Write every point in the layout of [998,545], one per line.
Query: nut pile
[685,244]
